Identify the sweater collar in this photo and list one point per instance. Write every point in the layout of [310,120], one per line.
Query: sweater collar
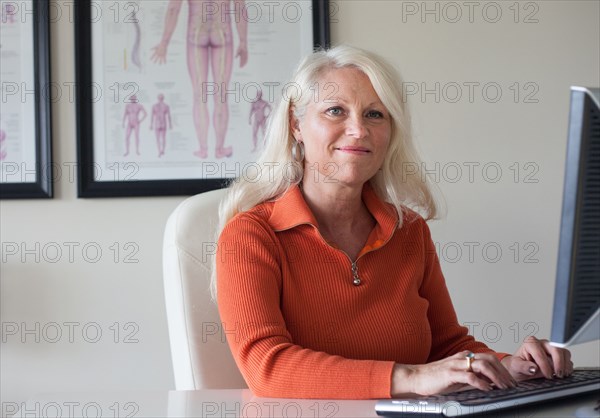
[292,210]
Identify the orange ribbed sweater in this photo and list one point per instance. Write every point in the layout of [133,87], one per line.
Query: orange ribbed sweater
[297,325]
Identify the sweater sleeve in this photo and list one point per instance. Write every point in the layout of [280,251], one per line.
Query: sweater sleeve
[448,336]
[249,284]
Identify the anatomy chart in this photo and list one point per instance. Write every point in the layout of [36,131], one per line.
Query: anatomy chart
[185,87]
[17,91]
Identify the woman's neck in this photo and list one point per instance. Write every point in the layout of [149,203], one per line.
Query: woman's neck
[337,208]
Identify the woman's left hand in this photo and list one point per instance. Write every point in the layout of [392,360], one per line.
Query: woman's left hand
[537,358]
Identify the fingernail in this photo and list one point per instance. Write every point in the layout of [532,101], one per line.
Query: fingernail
[560,374]
[532,370]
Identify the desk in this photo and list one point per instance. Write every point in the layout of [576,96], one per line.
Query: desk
[230,403]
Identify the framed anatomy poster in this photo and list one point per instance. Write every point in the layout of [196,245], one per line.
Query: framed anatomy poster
[173,96]
[25,89]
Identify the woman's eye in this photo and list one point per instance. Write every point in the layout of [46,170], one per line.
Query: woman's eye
[374,114]
[335,111]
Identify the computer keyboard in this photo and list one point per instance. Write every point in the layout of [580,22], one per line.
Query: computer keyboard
[476,401]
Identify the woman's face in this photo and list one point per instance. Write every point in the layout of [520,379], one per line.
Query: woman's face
[345,128]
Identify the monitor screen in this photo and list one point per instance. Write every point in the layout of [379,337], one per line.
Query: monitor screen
[576,316]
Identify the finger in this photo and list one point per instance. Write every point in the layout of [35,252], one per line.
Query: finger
[555,356]
[560,363]
[473,380]
[539,356]
[559,358]
[504,372]
[491,363]
[570,368]
[491,368]
[479,369]
[524,369]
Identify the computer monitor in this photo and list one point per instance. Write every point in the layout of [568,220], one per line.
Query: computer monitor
[576,317]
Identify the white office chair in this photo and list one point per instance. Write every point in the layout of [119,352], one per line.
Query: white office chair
[199,351]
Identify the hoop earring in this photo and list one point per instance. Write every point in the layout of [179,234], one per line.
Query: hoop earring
[298,151]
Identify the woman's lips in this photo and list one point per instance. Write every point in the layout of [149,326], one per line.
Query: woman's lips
[354,150]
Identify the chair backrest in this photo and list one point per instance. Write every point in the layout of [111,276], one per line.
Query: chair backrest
[199,351]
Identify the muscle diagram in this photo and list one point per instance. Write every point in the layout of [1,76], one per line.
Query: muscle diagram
[261,110]
[132,118]
[161,115]
[135,51]
[209,49]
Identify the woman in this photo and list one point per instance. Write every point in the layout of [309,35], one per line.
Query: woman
[328,285]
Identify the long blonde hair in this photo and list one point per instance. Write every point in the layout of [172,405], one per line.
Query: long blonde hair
[401,180]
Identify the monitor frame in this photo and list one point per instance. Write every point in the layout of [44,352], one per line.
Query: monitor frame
[564,300]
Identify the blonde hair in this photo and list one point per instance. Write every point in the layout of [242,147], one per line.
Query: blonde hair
[393,183]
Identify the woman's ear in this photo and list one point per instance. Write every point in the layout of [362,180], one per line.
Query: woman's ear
[295,126]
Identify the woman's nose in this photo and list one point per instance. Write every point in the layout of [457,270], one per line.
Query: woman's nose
[356,127]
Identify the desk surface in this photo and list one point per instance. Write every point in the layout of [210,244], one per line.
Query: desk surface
[231,403]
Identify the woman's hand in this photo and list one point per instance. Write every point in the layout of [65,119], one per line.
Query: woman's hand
[537,358]
[449,375]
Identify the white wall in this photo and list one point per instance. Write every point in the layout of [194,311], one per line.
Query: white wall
[561,49]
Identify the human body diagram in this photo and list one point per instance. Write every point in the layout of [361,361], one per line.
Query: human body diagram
[209,49]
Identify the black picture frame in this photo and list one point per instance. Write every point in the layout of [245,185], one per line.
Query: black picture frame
[87,186]
[42,187]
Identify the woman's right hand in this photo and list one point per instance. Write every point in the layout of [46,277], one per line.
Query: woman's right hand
[449,375]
